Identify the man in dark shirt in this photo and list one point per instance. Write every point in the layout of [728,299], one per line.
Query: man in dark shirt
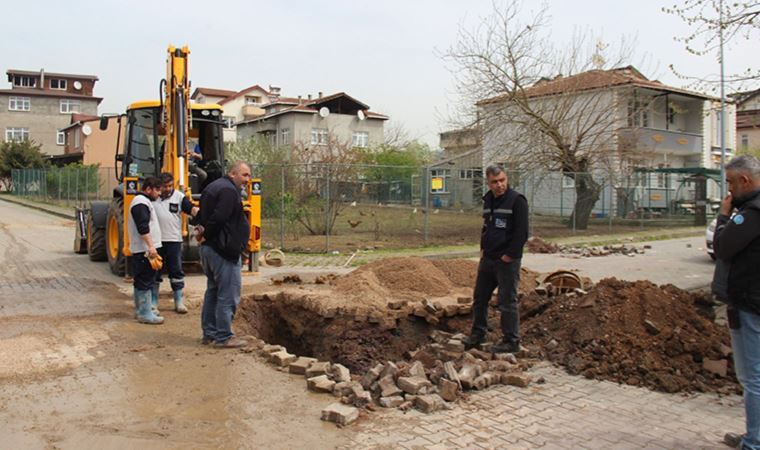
[223,232]
[737,249]
[505,231]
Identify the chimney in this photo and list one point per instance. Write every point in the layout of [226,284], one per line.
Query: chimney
[299,100]
[42,79]
[320,94]
[309,97]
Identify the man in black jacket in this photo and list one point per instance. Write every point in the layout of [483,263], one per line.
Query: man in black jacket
[223,233]
[737,248]
[505,231]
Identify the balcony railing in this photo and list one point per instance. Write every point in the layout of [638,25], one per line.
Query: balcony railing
[662,141]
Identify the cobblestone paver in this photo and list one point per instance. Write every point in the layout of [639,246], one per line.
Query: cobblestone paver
[565,412]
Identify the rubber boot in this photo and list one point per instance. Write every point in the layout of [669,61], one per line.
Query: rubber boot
[154,299]
[145,314]
[137,302]
[178,305]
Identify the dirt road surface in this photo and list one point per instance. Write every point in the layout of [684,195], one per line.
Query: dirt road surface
[78,372]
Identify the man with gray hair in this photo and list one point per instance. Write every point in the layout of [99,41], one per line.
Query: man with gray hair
[503,236]
[737,248]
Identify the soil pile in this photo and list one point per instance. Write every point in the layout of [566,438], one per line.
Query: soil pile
[538,245]
[635,333]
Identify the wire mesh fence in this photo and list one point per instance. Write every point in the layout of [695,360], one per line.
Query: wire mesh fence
[336,207]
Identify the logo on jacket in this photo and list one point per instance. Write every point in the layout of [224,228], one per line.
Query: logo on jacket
[738,219]
[174,208]
[500,223]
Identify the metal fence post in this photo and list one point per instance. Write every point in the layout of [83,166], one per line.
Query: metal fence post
[327,211]
[60,183]
[426,192]
[282,206]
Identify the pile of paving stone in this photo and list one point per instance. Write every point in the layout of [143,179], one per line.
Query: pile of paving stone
[538,245]
[433,377]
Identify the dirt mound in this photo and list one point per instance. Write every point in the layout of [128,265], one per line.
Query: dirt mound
[460,272]
[538,245]
[635,333]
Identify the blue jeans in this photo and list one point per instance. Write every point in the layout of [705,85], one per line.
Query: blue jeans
[746,346]
[222,294]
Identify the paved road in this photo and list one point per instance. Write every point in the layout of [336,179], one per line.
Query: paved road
[78,372]
[681,262]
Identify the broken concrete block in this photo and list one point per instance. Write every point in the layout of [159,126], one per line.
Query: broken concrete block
[449,389]
[391,369]
[318,368]
[464,300]
[269,349]
[451,310]
[551,345]
[417,370]
[413,385]
[355,390]
[282,358]
[371,376]
[340,373]
[451,373]
[429,306]
[362,400]
[300,365]
[341,389]
[340,414]
[459,337]
[484,356]
[485,347]
[499,366]
[429,403]
[465,310]
[439,336]
[516,379]
[406,406]
[718,367]
[388,386]
[320,384]
[397,304]
[468,373]
[454,345]
[391,402]
[505,357]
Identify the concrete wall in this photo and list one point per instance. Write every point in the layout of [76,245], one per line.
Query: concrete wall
[43,120]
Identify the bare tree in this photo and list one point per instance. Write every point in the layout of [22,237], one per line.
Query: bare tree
[740,20]
[540,106]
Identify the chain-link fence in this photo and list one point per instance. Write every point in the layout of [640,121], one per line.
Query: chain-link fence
[335,207]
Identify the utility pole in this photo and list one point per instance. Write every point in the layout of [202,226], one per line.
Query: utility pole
[722,109]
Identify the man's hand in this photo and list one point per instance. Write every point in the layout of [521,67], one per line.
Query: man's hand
[152,252]
[726,206]
[199,234]
[506,259]
[194,211]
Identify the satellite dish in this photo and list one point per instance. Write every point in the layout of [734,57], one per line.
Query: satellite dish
[324,111]
[77,85]
[86,130]
[360,114]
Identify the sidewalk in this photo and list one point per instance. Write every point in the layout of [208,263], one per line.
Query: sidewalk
[66,212]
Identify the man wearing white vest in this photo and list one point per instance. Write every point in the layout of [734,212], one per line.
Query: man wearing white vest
[144,238]
[169,208]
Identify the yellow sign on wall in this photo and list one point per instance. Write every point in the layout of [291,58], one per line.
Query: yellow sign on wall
[436,184]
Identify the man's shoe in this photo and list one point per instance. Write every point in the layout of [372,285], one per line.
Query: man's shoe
[205,340]
[733,440]
[179,307]
[232,342]
[473,340]
[506,347]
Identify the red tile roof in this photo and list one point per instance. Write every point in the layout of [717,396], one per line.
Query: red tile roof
[212,92]
[592,80]
[749,119]
[243,92]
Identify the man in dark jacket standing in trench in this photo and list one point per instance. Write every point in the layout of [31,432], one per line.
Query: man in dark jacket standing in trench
[505,231]
[223,233]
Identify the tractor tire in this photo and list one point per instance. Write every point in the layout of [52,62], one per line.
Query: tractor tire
[96,240]
[114,237]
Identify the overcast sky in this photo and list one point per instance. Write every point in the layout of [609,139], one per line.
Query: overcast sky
[384,53]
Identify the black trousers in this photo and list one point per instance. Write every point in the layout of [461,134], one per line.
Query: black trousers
[493,273]
[171,253]
[143,274]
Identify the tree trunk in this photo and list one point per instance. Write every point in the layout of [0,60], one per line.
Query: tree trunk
[586,195]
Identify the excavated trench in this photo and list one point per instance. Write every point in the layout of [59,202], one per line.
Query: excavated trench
[358,341]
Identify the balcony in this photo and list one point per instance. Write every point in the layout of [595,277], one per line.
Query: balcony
[252,111]
[661,141]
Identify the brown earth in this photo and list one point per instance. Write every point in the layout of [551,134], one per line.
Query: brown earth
[632,332]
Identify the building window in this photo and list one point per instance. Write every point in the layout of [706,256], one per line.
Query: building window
[76,138]
[252,100]
[439,181]
[24,81]
[272,138]
[745,142]
[57,83]
[229,122]
[319,136]
[638,114]
[60,138]
[567,182]
[470,174]
[19,104]
[360,139]
[285,136]
[16,134]
[70,106]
